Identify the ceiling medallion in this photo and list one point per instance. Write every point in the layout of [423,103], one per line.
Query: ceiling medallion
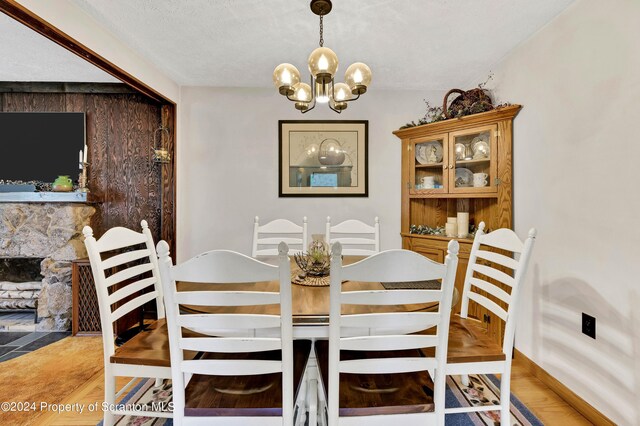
[323,65]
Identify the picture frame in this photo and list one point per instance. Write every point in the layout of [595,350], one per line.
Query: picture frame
[323,158]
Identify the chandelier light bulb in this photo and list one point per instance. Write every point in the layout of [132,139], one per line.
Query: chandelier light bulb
[358,78]
[302,92]
[341,92]
[285,77]
[302,96]
[323,64]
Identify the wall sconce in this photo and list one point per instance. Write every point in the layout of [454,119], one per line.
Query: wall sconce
[161,153]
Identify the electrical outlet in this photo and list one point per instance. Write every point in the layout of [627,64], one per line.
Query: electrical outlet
[589,325]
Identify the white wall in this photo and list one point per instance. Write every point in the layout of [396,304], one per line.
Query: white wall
[72,20]
[228,165]
[576,175]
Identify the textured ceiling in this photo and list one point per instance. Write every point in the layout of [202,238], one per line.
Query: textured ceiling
[422,44]
[28,56]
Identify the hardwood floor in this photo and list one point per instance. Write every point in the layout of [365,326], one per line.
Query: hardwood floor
[544,403]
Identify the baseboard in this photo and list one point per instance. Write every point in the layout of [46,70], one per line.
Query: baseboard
[579,404]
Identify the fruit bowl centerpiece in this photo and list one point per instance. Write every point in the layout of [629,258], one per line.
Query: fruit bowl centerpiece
[316,262]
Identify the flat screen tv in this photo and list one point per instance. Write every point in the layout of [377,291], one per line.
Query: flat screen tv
[40,146]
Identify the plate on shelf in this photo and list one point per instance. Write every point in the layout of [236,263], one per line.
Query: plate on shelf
[480,147]
[429,153]
[464,177]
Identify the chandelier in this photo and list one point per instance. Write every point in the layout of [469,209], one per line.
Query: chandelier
[323,65]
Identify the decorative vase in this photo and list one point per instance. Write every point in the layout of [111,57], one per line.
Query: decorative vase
[62,184]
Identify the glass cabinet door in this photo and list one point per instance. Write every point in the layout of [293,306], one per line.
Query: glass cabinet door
[429,158]
[472,160]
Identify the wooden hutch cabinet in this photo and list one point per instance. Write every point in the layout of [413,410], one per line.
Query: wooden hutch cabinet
[439,164]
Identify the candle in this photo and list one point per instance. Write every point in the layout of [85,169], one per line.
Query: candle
[452,220]
[85,153]
[80,160]
[463,225]
[450,229]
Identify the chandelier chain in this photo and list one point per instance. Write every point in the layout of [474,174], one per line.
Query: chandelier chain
[321,32]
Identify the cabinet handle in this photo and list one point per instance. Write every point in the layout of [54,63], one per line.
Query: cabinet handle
[451,166]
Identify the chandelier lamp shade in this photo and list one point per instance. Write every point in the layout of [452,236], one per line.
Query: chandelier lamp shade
[323,66]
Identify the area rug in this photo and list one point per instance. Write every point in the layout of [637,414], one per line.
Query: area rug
[48,374]
[482,390]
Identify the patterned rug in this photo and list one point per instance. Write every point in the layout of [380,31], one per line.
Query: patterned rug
[482,390]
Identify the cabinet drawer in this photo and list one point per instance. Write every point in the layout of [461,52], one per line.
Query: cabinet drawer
[431,253]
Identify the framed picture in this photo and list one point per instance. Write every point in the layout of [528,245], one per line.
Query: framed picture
[325,158]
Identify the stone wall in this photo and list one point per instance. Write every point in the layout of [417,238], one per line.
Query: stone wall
[52,231]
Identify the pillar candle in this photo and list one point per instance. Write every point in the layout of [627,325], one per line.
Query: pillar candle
[463,225]
[450,229]
[85,153]
[452,220]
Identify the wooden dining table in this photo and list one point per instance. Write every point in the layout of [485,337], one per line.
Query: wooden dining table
[467,340]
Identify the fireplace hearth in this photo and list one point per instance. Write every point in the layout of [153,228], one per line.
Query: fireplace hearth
[49,235]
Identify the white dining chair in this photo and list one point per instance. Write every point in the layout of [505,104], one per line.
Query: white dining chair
[356,237]
[251,368]
[373,370]
[126,280]
[488,273]
[267,237]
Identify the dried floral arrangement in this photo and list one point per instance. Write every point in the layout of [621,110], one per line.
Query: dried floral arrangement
[316,262]
[439,230]
[470,102]
[426,230]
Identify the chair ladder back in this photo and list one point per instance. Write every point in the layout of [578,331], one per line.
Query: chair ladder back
[131,293]
[119,238]
[238,268]
[238,330]
[156,269]
[270,235]
[466,288]
[523,265]
[483,282]
[394,265]
[354,236]
[366,331]
[485,278]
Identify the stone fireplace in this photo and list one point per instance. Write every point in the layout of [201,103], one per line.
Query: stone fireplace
[51,232]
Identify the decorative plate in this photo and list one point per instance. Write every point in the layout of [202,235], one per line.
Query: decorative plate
[464,178]
[429,153]
[480,147]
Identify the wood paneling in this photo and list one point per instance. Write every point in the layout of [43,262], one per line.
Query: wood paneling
[120,129]
[168,182]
